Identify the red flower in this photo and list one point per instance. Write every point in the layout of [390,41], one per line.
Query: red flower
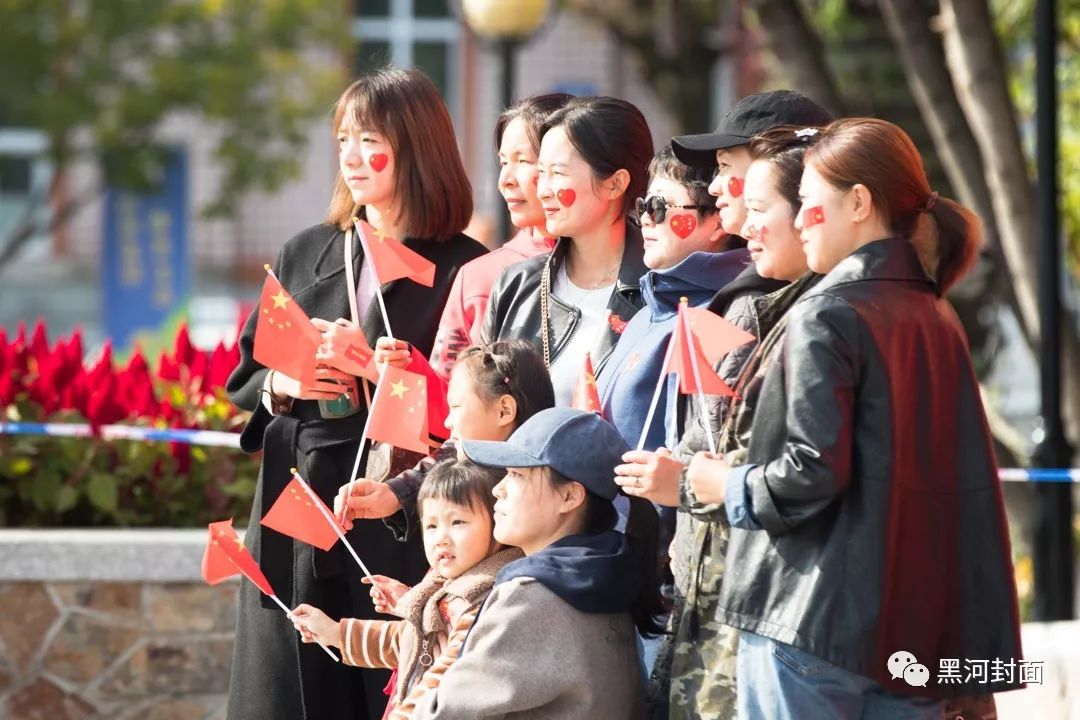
[184,352]
[103,406]
[167,369]
[39,343]
[103,367]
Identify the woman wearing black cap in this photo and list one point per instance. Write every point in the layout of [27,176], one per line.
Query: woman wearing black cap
[555,638]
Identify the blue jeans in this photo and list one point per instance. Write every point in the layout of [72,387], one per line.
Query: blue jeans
[779,682]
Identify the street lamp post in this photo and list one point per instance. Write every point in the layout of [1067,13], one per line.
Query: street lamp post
[506,24]
[1053,549]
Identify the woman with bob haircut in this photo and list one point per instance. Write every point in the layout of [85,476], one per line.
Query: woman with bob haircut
[400,170]
[868,542]
[577,299]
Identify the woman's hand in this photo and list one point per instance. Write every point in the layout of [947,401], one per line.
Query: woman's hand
[651,475]
[707,477]
[364,500]
[327,385]
[344,347]
[385,592]
[389,351]
[315,626]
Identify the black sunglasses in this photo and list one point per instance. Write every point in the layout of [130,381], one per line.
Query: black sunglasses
[657,208]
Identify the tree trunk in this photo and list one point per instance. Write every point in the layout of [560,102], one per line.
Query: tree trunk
[923,60]
[800,51]
[973,55]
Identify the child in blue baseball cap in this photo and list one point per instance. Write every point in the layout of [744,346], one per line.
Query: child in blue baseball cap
[555,637]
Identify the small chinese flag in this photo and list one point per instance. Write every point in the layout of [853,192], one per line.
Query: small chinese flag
[226,556]
[285,339]
[296,514]
[399,413]
[716,336]
[392,260]
[688,359]
[586,396]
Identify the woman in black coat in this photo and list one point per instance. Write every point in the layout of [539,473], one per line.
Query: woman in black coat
[400,169]
[593,162]
[869,559]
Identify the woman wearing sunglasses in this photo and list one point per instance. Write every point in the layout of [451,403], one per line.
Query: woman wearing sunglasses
[594,154]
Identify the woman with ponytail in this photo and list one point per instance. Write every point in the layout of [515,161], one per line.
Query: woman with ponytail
[868,529]
[555,638]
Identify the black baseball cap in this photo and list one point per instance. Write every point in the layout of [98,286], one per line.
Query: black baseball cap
[752,115]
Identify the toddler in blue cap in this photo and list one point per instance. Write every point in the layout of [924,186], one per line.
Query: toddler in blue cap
[555,638]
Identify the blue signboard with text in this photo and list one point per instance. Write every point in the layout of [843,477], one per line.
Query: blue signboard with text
[146,268]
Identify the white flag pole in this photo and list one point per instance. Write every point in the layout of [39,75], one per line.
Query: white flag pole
[333,523]
[363,443]
[288,612]
[660,382]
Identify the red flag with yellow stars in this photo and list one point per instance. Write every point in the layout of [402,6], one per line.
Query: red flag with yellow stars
[285,339]
[399,413]
[296,514]
[716,335]
[226,556]
[586,396]
[392,260]
[690,362]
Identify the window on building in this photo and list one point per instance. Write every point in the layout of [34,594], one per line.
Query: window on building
[411,33]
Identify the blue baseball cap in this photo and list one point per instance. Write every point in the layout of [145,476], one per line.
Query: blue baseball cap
[578,445]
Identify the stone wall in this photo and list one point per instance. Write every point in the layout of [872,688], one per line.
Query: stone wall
[111,624]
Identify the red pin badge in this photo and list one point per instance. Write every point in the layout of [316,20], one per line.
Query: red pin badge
[616,323]
[378,161]
[566,197]
[683,225]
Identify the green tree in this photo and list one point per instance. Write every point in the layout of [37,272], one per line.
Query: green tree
[97,79]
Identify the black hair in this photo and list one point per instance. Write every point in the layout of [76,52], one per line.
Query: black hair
[514,368]
[461,482]
[533,111]
[695,179]
[611,135]
[643,533]
[784,147]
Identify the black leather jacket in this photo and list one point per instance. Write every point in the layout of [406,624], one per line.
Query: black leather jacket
[514,305]
[872,475]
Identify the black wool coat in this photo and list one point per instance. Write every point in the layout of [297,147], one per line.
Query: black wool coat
[274,675]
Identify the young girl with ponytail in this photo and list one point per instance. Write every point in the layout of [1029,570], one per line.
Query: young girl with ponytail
[868,527]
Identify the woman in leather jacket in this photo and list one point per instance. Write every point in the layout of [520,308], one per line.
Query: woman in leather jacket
[593,161]
[869,559]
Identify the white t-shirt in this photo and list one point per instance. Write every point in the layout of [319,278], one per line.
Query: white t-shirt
[566,368]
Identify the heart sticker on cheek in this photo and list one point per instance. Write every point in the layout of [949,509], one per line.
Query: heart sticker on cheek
[566,197]
[813,216]
[735,186]
[378,161]
[683,225]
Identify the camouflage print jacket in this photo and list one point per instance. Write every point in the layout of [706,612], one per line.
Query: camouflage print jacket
[699,655]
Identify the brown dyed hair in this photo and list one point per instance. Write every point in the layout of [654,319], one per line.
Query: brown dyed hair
[533,111]
[880,156]
[432,193]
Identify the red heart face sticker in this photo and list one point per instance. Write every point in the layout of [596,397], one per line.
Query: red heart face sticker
[566,197]
[378,161]
[735,186]
[813,216]
[683,225]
